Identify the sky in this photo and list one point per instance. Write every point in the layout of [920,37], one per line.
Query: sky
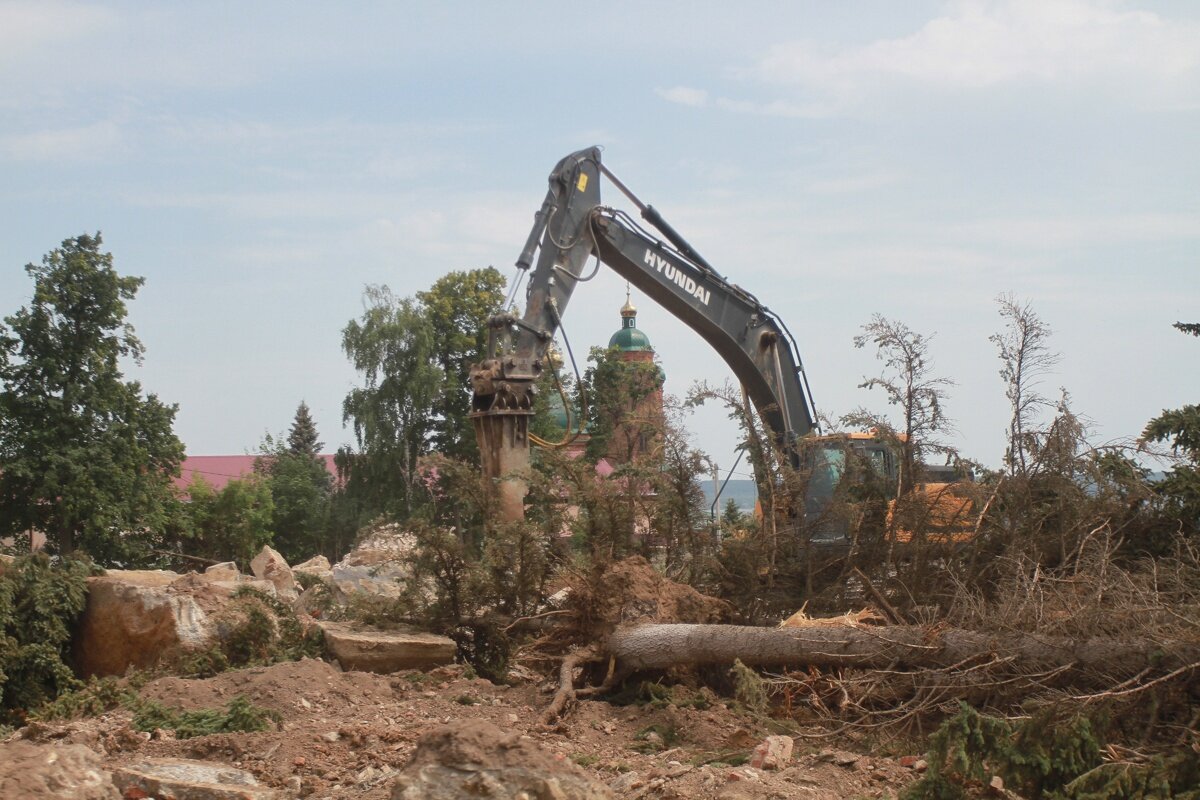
[261,163]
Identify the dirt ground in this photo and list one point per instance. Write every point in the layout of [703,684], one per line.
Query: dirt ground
[346,734]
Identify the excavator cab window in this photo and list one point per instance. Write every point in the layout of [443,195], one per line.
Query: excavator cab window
[880,460]
[829,464]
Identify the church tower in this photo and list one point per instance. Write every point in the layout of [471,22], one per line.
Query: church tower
[637,431]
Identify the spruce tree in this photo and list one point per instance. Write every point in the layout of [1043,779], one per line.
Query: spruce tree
[1180,428]
[300,486]
[302,438]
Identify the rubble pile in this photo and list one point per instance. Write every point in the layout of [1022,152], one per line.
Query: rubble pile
[136,619]
[389,716]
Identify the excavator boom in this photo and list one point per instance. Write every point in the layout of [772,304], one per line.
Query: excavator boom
[571,226]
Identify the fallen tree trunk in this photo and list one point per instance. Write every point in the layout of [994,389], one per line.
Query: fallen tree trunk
[652,646]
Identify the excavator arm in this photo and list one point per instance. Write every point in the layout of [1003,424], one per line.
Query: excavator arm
[571,227]
[751,340]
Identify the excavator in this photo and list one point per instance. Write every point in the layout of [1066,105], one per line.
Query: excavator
[573,226]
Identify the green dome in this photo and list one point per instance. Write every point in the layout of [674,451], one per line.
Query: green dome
[558,412]
[630,339]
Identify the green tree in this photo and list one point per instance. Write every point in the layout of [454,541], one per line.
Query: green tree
[303,438]
[1180,428]
[84,456]
[393,413]
[301,489]
[457,307]
[909,384]
[414,355]
[679,519]
[39,604]
[231,523]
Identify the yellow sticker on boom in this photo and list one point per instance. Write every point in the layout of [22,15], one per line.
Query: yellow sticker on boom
[582,181]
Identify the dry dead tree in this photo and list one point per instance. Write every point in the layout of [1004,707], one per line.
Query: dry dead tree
[940,664]
[1092,633]
[643,647]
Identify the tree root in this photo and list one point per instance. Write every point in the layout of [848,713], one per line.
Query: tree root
[566,693]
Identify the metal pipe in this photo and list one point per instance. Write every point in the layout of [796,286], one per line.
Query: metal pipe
[712,510]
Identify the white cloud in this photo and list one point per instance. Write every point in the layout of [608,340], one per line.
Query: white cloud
[1069,230]
[684,96]
[851,184]
[1138,56]
[978,44]
[30,27]
[699,98]
[63,144]
[406,166]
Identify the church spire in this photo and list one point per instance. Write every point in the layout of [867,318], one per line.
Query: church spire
[629,310]
[629,338]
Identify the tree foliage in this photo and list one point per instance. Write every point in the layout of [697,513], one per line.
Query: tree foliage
[679,520]
[621,422]
[84,455]
[414,356]
[231,523]
[909,383]
[457,306]
[303,439]
[1025,357]
[393,412]
[301,491]
[1191,328]
[1045,757]
[39,603]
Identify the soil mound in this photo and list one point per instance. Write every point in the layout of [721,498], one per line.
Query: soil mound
[278,687]
[468,759]
[631,590]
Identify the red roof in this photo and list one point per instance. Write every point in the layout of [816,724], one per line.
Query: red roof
[220,470]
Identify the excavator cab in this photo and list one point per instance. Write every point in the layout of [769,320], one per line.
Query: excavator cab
[941,505]
[846,467]
[830,459]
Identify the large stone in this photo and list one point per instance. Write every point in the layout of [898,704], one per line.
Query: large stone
[379,566]
[384,546]
[62,771]
[184,779]
[138,618]
[774,752]
[225,571]
[472,758]
[270,566]
[367,650]
[350,580]
[135,617]
[317,566]
[243,582]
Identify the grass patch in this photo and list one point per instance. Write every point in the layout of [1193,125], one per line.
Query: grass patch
[239,716]
[98,696]
[655,738]
[749,689]
[418,678]
[658,695]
